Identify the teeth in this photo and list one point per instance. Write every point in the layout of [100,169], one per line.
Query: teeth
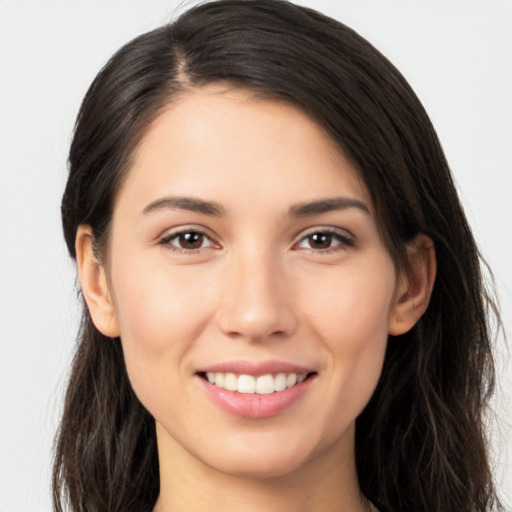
[291,380]
[280,382]
[230,381]
[246,384]
[262,385]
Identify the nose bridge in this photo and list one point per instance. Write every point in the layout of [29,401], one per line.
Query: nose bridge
[256,302]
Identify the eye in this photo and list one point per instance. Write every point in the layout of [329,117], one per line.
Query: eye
[325,240]
[186,241]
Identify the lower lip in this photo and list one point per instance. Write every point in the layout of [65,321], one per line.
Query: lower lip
[254,406]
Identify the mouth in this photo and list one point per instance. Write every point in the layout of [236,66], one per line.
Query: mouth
[256,389]
[266,384]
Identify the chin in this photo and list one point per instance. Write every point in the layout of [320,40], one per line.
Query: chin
[262,457]
[259,468]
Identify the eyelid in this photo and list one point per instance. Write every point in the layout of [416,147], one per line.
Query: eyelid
[346,237]
[165,239]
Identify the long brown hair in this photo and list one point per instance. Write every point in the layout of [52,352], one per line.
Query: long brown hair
[420,442]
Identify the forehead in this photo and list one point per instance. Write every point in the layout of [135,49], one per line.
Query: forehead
[223,141]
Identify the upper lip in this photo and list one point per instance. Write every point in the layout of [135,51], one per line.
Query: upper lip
[255,368]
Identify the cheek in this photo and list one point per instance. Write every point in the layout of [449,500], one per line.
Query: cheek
[356,309]
[160,316]
[353,322]
[155,304]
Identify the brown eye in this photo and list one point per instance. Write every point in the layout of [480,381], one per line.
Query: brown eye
[190,240]
[320,240]
[187,241]
[324,241]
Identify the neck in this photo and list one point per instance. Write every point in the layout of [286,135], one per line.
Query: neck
[325,483]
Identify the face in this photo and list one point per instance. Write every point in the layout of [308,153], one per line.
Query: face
[251,289]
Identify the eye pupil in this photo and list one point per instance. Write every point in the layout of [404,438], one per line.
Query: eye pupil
[191,240]
[320,240]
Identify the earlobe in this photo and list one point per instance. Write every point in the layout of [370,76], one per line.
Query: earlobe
[414,287]
[93,281]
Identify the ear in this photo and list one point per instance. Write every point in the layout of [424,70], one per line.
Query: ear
[93,280]
[414,287]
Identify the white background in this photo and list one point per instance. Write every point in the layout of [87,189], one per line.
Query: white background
[457,55]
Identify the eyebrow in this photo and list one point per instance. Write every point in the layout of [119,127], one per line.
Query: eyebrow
[327,205]
[186,203]
[215,209]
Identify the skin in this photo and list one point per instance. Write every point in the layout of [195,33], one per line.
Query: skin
[256,287]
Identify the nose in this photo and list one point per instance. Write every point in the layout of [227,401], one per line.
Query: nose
[257,300]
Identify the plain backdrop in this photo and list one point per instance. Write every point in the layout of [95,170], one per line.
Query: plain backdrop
[457,55]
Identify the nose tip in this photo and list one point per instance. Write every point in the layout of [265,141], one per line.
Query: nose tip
[255,323]
[257,305]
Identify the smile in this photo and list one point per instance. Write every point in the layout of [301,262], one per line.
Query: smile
[261,385]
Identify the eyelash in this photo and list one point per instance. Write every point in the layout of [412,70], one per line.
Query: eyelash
[166,241]
[344,241]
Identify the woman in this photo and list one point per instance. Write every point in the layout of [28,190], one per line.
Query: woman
[284,307]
